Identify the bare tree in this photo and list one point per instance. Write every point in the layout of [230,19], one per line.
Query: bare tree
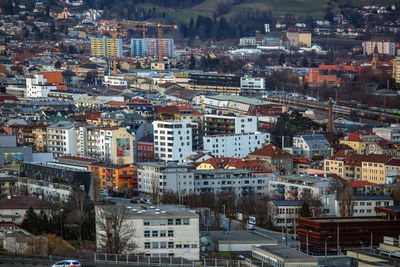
[346,204]
[155,189]
[79,207]
[169,197]
[395,192]
[115,232]
[336,186]
[95,184]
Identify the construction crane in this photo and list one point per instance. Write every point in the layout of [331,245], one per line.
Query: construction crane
[115,33]
[145,24]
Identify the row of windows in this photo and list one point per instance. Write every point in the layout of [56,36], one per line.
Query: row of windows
[149,245]
[161,233]
[157,222]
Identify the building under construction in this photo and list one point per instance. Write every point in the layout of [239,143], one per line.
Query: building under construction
[335,234]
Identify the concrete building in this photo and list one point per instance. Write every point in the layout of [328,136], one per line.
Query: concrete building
[235,145]
[392,133]
[238,181]
[149,47]
[290,187]
[37,86]
[163,176]
[308,146]
[361,205]
[172,140]
[219,124]
[280,256]
[387,48]
[106,47]
[61,139]
[252,85]
[260,40]
[229,85]
[11,155]
[299,39]
[279,161]
[159,231]
[14,209]
[236,241]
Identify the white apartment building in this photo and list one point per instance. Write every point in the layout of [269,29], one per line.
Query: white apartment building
[391,133]
[61,139]
[241,182]
[235,145]
[362,205]
[36,86]
[293,187]
[159,231]
[165,176]
[308,146]
[220,124]
[172,140]
[388,48]
[252,84]
[115,81]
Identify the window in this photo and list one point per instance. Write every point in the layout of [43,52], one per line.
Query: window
[170,244]
[194,245]
[147,245]
[154,234]
[163,244]
[185,221]
[146,233]
[170,221]
[154,244]
[163,233]
[178,246]
[170,233]
[178,221]
[146,222]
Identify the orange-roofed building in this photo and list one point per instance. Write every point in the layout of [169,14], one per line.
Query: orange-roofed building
[54,78]
[359,141]
[280,161]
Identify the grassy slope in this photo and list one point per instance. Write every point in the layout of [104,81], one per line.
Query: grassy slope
[303,8]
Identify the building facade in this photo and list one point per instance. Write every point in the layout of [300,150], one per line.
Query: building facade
[236,145]
[106,47]
[159,231]
[219,124]
[61,139]
[172,140]
[149,47]
[387,48]
[37,86]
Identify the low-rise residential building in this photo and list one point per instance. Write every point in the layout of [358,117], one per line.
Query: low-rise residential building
[237,181]
[37,86]
[290,187]
[392,133]
[158,177]
[235,145]
[359,141]
[374,168]
[309,146]
[13,209]
[280,161]
[360,205]
[157,231]
[117,178]
[346,164]
[283,256]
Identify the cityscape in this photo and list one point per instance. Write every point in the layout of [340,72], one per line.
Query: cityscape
[181,133]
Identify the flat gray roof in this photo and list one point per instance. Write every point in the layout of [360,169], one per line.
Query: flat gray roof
[286,253]
[240,237]
[150,211]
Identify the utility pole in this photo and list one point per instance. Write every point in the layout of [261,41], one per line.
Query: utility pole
[337,234]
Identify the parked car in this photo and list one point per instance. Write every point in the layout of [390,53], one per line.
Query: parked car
[67,263]
[134,200]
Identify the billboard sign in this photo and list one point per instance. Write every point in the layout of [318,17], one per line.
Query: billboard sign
[252,220]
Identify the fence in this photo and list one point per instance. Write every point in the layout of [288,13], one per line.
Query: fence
[142,260]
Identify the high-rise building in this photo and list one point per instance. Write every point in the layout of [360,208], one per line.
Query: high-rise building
[149,47]
[106,47]
[396,69]
[388,48]
[172,140]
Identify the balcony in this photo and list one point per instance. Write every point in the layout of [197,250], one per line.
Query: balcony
[280,190]
[293,192]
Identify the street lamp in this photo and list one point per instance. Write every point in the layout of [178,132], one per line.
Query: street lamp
[326,247]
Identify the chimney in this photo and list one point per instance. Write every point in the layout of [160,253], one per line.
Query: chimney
[330,115]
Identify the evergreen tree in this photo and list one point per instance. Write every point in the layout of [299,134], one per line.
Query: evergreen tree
[304,211]
[192,62]
[30,222]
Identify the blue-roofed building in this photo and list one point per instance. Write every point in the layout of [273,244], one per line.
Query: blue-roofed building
[361,205]
[309,146]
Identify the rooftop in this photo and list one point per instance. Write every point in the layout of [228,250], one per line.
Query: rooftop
[241,99]
[150,211]
[240,237]
[23,202]
[286,253]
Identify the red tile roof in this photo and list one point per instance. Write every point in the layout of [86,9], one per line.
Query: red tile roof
[393,162]
[23,202]
[358,183]
[166,109]
[272,151]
